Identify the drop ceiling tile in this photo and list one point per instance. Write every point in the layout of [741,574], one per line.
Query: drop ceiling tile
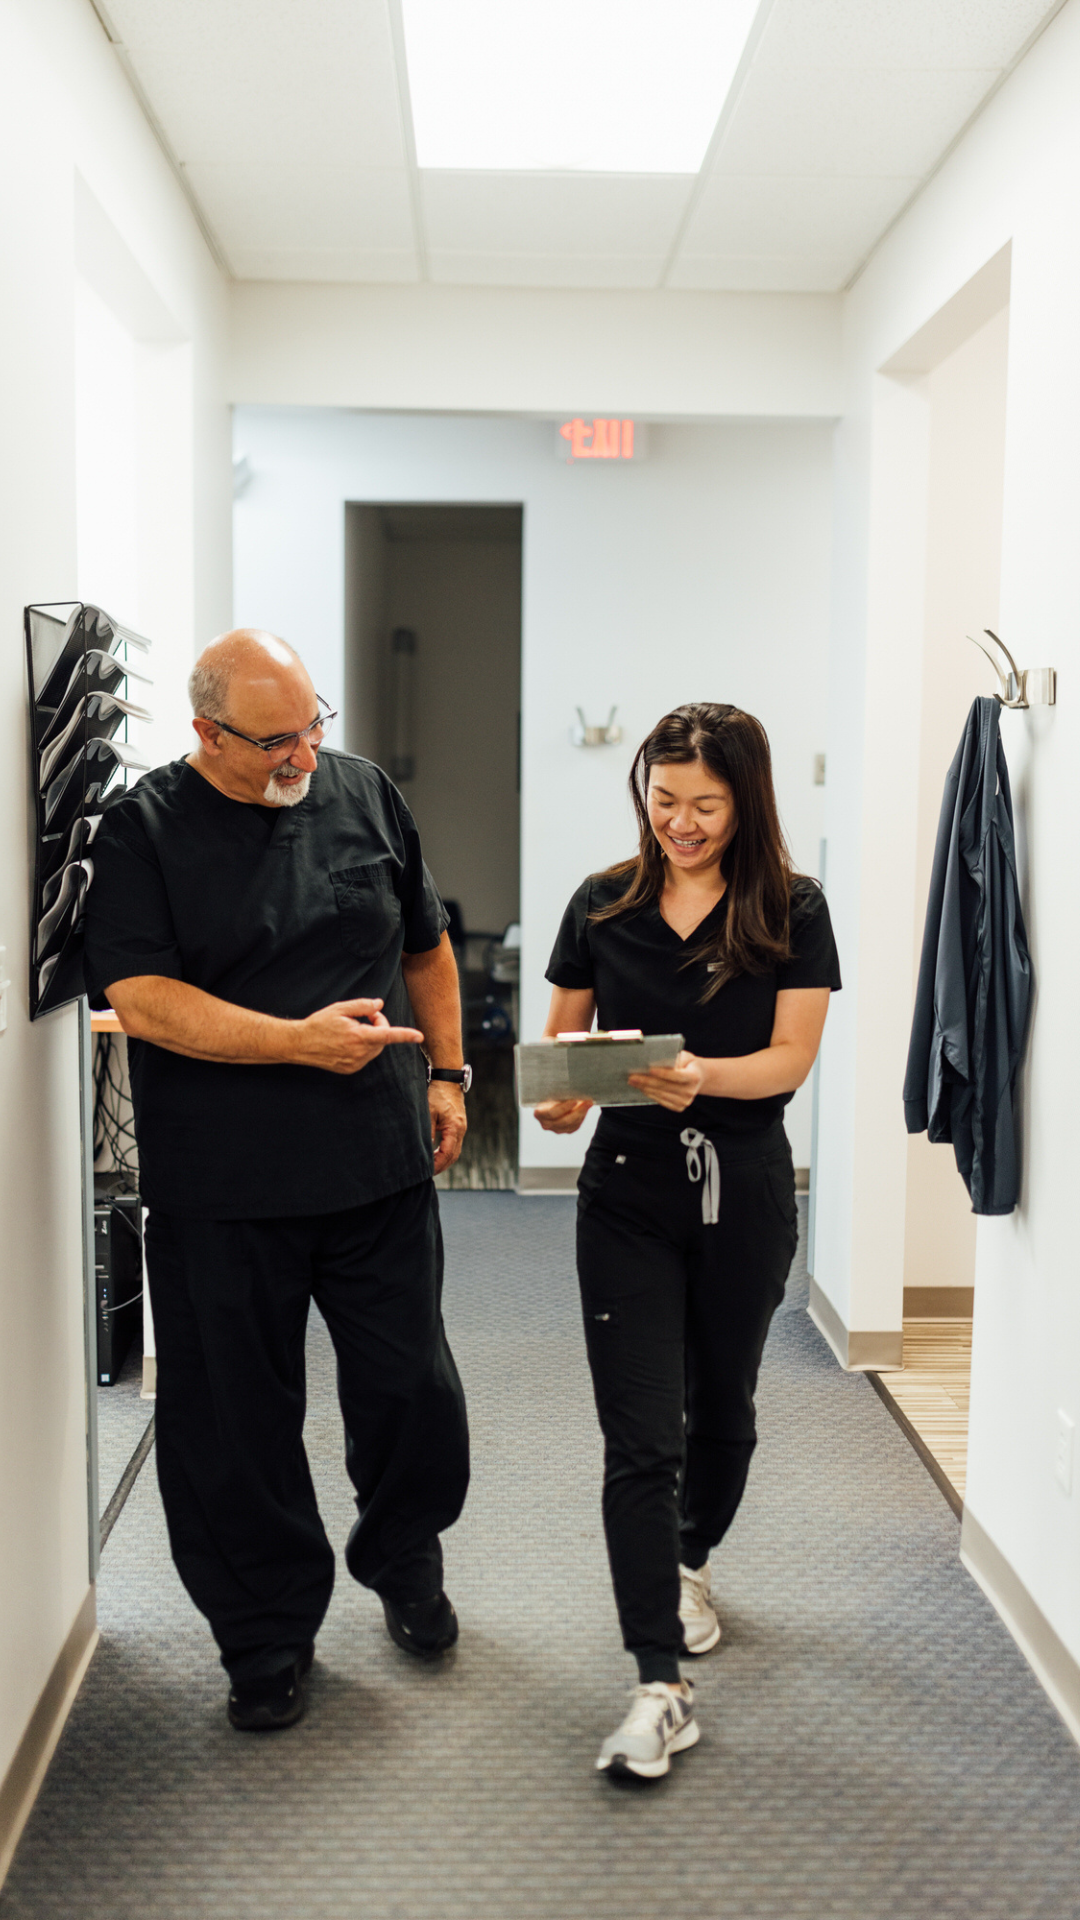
[286,115]
[326,265]
[497,269]
[847,121]
[254,78]
[753,273]
[840,215]
[883,33]
[264,207]
[553,213]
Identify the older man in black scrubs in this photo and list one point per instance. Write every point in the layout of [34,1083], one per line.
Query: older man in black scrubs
[263,923]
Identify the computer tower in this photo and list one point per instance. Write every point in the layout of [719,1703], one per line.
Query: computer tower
[118,1272]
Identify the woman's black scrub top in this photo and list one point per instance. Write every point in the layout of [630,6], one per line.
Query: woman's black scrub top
[283,910]
[643,975]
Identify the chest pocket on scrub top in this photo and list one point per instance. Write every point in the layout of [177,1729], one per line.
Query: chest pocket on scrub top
[369,912]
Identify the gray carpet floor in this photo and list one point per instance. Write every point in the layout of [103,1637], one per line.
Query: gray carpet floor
[873,1747]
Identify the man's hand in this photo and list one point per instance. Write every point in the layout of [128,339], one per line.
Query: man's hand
[672,1087]
[561,1116]
[344,1037]
[170,1013]
[446,1103]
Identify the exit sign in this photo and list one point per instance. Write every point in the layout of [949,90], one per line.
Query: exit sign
[599,439]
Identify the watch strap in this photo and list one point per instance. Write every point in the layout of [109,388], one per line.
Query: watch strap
[460,1076]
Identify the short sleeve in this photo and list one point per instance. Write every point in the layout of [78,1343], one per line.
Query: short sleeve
[815,961]
[571,961]
[423,915]
[129,926]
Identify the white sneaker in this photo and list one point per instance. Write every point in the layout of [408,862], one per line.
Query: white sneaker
[660,1722]
[701,1628]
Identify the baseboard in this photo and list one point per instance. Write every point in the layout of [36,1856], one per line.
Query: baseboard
[859,1351]
[21,1784]
[802,1179]
[1048,1657]
[939,1303]
[149,1377]
[547,1179]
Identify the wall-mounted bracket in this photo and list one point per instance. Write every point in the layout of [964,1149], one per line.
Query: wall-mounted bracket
[1018,688]
[583,735]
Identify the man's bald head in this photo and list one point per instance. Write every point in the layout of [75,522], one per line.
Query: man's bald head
[248,660]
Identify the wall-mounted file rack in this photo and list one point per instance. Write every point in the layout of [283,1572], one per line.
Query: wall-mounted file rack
[83,692]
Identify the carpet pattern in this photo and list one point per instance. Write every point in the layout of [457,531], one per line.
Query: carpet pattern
[873,1746]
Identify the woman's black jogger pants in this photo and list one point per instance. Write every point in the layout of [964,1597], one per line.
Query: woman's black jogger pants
[676,1314]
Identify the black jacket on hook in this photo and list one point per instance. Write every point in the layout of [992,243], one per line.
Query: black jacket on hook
[974,990]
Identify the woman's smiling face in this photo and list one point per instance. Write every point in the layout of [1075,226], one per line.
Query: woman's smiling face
[692,814]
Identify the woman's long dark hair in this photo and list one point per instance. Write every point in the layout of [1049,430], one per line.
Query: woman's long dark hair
[734,747]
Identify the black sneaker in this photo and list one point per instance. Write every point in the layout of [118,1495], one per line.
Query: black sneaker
[424,1627]
[271,1700]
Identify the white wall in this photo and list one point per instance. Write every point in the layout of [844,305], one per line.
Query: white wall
[534,351]
[701,573]
[87,194]
[106,473]
[1014,182]
[365,624]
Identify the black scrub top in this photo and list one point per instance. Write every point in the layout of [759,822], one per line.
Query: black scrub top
[283,910]
[636,965]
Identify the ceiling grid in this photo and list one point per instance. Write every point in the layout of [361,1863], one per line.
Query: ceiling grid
[291,128]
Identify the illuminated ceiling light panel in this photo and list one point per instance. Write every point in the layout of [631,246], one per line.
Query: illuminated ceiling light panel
[590,86]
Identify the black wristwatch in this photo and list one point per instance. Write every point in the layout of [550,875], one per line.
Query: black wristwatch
[461,1076]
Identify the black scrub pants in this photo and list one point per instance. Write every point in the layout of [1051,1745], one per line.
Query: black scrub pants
[676,1314]
[230,1301]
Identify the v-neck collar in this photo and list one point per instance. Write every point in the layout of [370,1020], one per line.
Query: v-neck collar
[684,941]
[282,827]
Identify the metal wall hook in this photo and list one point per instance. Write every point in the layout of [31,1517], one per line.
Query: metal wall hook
[1018,687]
[583,735]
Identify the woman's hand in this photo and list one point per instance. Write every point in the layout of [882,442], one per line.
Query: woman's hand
[561,1116]
[672,1087]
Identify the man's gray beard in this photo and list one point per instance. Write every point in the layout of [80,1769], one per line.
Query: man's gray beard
[286,796]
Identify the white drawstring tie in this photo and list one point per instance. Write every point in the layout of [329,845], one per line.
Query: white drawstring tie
[694,1142]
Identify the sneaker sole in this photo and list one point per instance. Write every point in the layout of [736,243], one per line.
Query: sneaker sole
[621,1765]
[704,1646]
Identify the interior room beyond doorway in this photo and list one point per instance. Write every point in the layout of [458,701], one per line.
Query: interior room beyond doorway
[433,695]
[964,400]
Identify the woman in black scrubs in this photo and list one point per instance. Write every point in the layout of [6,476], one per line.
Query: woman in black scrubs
[687,1222]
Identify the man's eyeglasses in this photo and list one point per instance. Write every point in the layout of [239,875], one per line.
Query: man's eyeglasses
[288,742]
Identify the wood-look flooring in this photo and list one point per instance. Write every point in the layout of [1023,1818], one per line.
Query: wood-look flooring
[929,1397]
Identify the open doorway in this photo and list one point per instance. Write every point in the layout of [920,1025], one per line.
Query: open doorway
[433,695]
[965,397]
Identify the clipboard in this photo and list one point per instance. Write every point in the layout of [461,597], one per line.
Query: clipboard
[591,1066]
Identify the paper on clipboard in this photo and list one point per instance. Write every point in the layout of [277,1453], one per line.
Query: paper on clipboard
[591,1068]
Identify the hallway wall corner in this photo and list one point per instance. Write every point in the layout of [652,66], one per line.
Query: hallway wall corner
[858,1350]
[1047,1656]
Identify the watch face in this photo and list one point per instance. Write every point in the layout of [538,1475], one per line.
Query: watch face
[466,1081]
